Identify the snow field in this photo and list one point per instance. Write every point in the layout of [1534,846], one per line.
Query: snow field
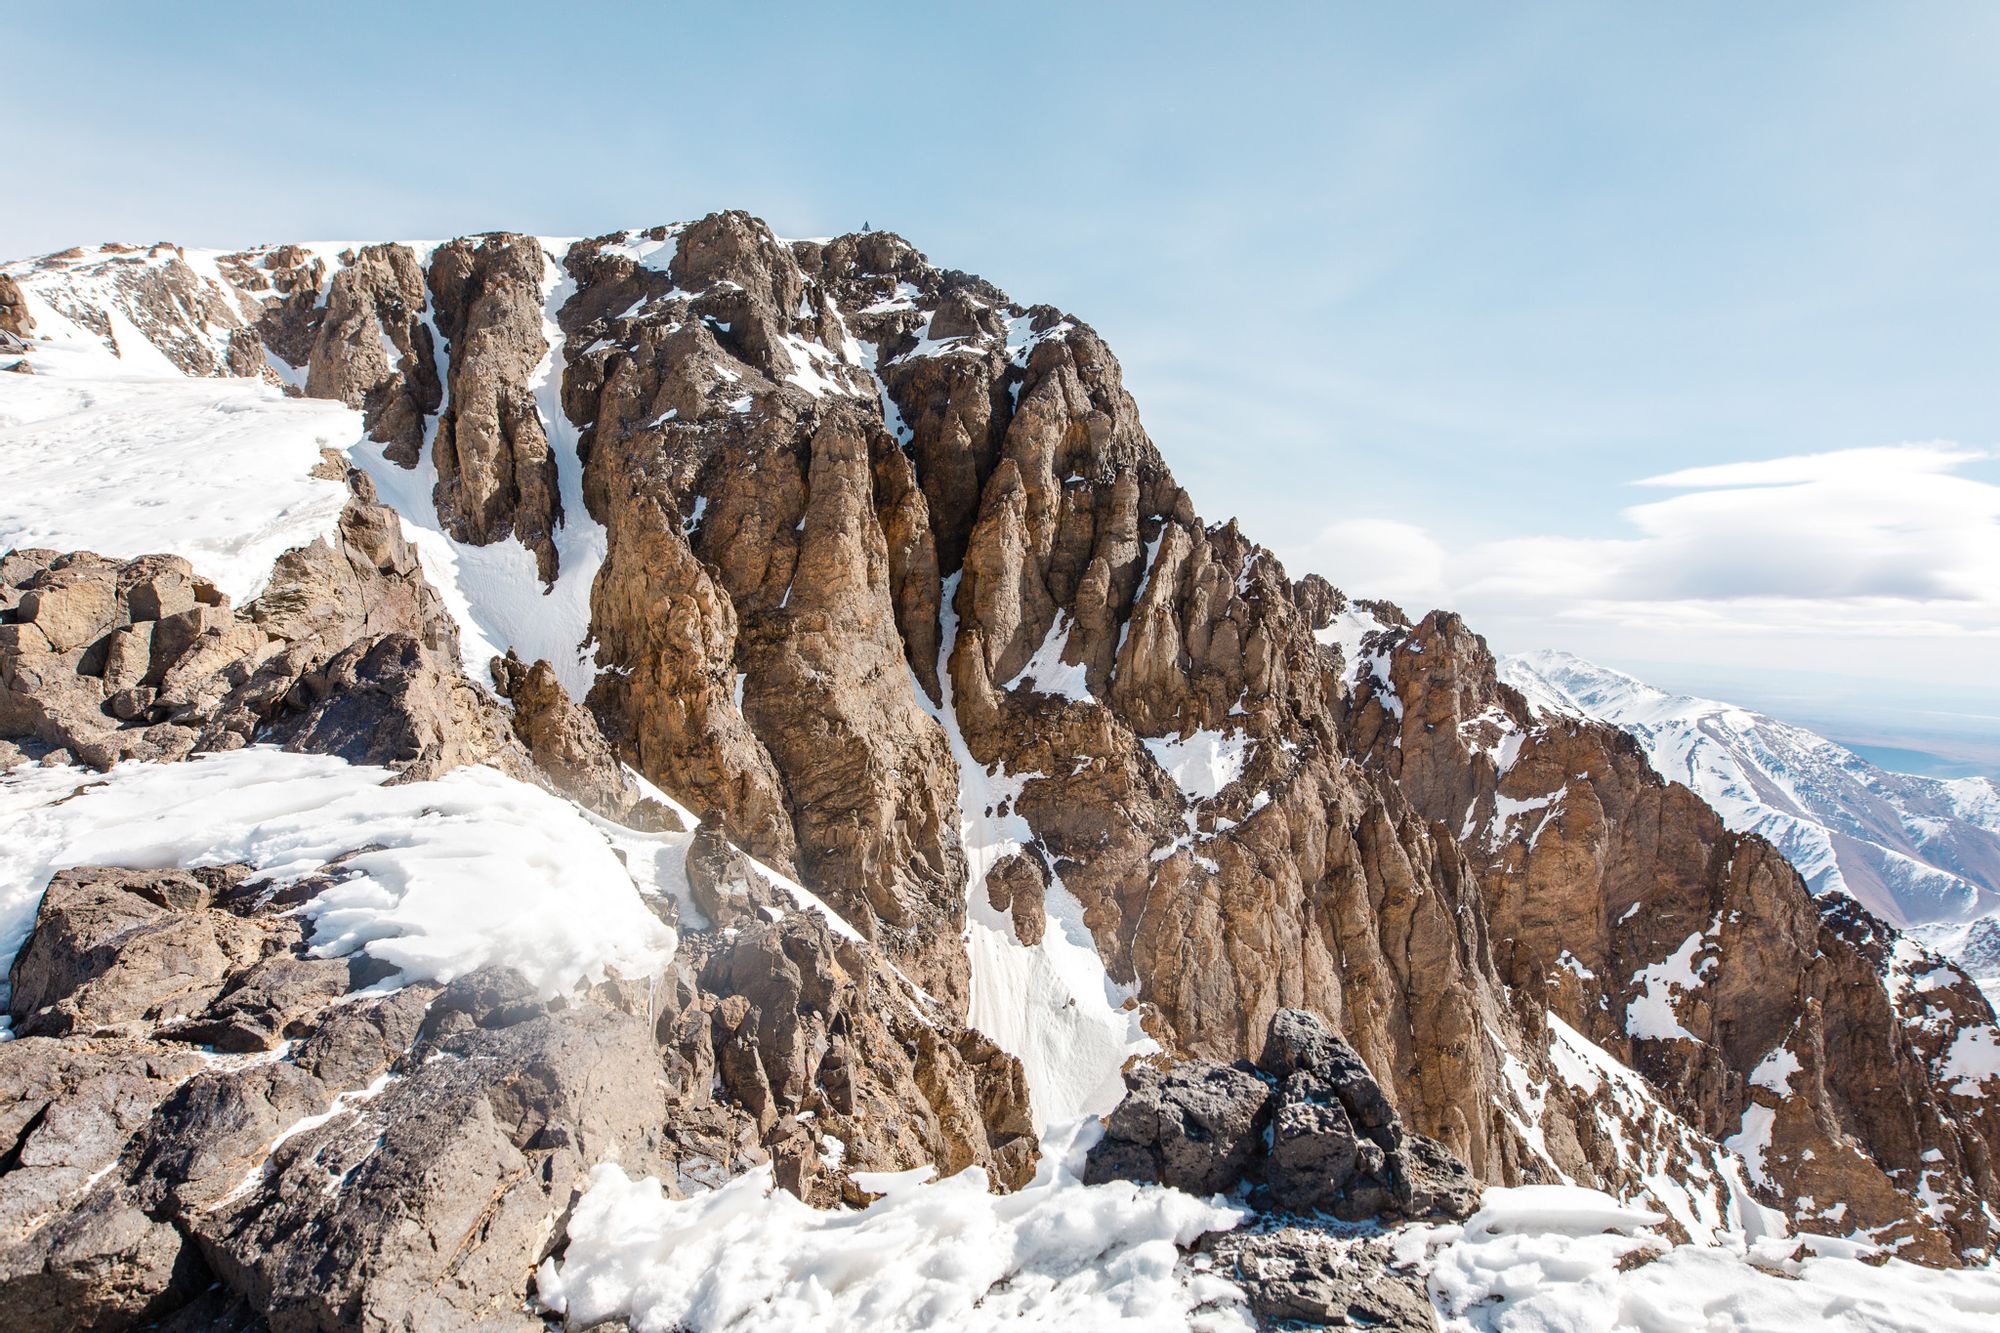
[441,877]
[1055,1255]
[217,471]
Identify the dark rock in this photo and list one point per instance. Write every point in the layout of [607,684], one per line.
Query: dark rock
[1296,1277]
[1313,1151]
[1195,1126]
[1311,1132]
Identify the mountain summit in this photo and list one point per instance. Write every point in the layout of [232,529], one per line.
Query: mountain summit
[491,722]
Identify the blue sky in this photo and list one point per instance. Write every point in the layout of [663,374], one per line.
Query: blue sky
[1419,292]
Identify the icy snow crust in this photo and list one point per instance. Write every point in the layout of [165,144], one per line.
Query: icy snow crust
[473,869]
[1202,763]
[215,470]
[1056,1255]
[1559,1259]
[1063,1256]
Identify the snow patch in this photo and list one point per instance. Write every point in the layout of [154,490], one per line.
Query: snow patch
[1650,1016]
[1203,762]
[437,878]
[1056,1254]
[1047,673]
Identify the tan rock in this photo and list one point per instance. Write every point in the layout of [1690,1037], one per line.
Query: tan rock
[496,476]
[373,349]
[71,612]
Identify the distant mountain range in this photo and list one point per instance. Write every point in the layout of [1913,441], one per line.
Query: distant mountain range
[1923,853]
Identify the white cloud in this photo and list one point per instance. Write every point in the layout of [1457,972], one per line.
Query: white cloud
[1381,557]
[1881,563]
[1887,540]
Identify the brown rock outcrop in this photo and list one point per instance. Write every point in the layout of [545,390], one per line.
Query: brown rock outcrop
[119,952]
[819,1039]
[14,319]
[348,650]
[569,750]
[496,476]
[372,348]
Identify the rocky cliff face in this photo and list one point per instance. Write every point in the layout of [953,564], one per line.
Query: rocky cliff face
[880,575]
[1772,1020]
[1922,853]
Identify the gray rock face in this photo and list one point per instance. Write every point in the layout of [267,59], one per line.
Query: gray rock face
[119,951]
[1195,1126]
[1300,1278]
[1308,1131]
[447,1184]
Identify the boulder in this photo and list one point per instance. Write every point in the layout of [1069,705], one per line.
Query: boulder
[121,950]
[1307,1132]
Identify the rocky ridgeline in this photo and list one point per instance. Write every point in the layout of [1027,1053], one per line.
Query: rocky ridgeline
[871,529]
[1598,872]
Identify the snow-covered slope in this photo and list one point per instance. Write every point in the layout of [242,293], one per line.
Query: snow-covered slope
[440,878]
[1922,853]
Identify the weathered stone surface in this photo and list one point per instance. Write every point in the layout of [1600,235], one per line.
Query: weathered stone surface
[1018,885]
[1195,1126]
[450,1178]
[1296,1277]
[1307,1132]
[118,951]
[391,701]
[568,747]
[801,1021]
[496,475]
[14,319]
[725,888]
[72,607]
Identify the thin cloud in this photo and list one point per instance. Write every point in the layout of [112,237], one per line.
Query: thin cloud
[1935,456]
[1894,535]
[1892,541]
